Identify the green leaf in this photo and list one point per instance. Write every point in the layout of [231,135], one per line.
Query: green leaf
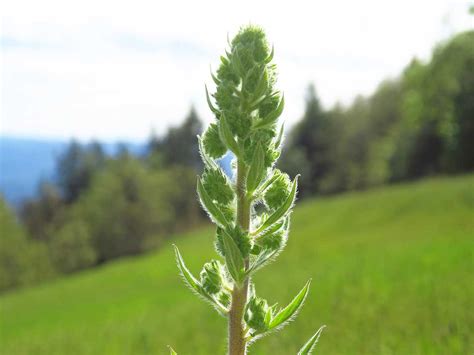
[309,346]
[280,137]
[227,136]
[216,81]
[191,281]
[292,309]
[233,258]
[262,85]
[257,169]
[209,102]
[208,161]
[261,260]
[271,118]
[270,57]
[214,212]
[281,211]
[172,352]
[195,285]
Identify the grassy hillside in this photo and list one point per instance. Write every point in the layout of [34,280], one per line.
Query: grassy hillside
[392,273]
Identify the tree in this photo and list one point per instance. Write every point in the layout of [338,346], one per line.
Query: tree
[178,146]
[43,213]
[76,166]
[71,247]
[21,261]
[310,142]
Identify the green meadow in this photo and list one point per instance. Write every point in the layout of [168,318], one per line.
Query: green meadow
[392,273]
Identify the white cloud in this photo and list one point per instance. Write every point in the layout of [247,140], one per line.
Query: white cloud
[110,69]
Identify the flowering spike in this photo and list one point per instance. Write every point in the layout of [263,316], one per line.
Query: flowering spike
[246,105]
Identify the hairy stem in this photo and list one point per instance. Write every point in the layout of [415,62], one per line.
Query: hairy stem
[237,341]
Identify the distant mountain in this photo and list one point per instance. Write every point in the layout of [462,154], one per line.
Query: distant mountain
[25,162]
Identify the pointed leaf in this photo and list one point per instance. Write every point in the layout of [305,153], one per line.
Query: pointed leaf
[282,211]
[214,78]
[224,60]
[292,309]
[233,258]
[194,284]
[172,352]
[267,183]
[214,212]
[209,102]
[256,169]
[262,83]
[261,260]
[227,136]
[270,57]
[270,119]
[254,104]
[309,346]
[191,281]
[280,137]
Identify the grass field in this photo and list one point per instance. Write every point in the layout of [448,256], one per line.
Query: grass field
[392,273]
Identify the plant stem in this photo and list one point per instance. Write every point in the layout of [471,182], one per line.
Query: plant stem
[237,341]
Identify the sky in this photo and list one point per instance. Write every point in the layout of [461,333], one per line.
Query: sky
[116,70]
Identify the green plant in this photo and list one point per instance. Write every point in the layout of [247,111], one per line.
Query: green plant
[252,212]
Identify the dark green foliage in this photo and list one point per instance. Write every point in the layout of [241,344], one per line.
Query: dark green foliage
[128,207]
[179,146]
[71,247]
[22,262]
[416,125]
[44,213]
[76,167]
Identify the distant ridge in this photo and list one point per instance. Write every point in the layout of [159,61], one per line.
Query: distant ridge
[24,162]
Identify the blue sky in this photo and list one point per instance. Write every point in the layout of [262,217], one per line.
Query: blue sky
[115,70]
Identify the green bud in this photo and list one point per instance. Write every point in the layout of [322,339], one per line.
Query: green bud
[218,186]
[212,142]
[273,241]
[278,191]
[241,239]
[212,277]
[256,313]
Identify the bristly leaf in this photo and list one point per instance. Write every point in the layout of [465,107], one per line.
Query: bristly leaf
[172,352]
[257,169]
[233,257]
[272,116]
[215,213]
[194,284]
[309,346]
[283,210]
[261,260]
[227,136]
[291,310]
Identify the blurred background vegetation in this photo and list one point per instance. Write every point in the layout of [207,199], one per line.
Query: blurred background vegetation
[366,250]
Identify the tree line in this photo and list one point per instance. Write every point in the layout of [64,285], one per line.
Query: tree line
[102,207]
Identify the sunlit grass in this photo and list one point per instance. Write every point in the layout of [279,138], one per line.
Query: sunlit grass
[392,273]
